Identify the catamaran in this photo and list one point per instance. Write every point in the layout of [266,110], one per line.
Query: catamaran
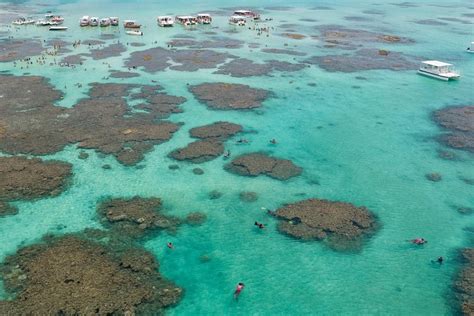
[438,69]
[165,21]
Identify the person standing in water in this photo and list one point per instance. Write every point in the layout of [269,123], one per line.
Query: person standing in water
[238,290]
[170,245]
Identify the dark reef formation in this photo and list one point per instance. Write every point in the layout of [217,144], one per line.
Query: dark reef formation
[136,216]
[111,50]
[214,42]
[459,121]
[243,67]
[229,96]
[365,59]
[283,51]
[464,284]
[7,209]
[255,164]
[16,49]
[31,124]
[218,131]
[123,74]
[158,59]
[342,225]
[27,179]
[199,151]
[76,275]
[195,218]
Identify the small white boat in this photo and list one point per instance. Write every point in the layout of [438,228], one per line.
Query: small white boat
[131,24]
[135,32]
[104,22]
[186,20]
[247,14]
[165,21]
[94,21]
[438,69]
[470,49]
[45,23]
[237,20]
[49,15]
[204,18]
[57,19]
[84,21]
[114,21]
[24,21]
[58,28]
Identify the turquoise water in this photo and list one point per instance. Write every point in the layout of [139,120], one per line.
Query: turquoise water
[370,146]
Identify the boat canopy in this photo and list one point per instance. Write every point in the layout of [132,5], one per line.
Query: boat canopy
[185,17]
[204,15]
[238,17]
[435,63]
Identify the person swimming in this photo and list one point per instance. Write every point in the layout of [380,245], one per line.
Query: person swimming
[170,245]
[259,225]
[238,290]
[273,141]
[419,241]
[439,260]
[227,154]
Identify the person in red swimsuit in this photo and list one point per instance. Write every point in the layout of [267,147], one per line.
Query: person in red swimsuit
[238,289]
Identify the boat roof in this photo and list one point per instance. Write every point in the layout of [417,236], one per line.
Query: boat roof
[435,63]
[165,17]
[204,14]
[243,11]
[129,21]
[238,17]
[114,18]
[185,17]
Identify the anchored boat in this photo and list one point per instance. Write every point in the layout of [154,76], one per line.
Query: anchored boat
[438,69]
[131,24]
[165,21]
[114,21]
[58,28]
[94,21]
[247,14]
[104,22]
[84,21]
[204,18]
[135,32]
[237,20]
[186,20]
[23,21]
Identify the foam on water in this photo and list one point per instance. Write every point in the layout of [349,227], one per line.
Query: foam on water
[369,142]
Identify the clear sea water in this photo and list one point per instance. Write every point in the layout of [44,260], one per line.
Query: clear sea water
[370,146]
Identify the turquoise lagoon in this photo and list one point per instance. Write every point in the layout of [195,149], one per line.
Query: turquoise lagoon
[368,142]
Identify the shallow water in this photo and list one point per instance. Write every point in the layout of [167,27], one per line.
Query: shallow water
[368,142]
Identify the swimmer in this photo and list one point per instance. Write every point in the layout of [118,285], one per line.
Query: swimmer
[259,225]
[170,245]
[227,154]
[439,260]
[419,241]
[273,141]
[238,289]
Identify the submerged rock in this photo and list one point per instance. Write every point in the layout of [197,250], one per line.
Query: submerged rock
[218,130]
[214,195]
[229,96]
[72,275]
[255,164]
[464,284]
[30,122]
[434,177]
[248,196]
[26,179]
[196,218]
[459,121]
[136,216]
[243,67]
[198,171]
[6,209]
[199,151]
[342,225]
[16,49]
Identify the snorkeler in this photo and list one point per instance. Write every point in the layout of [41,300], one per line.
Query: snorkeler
[273,141]
[238,289]
[439,260]
[419,241]
[259,225]
[170,245]
[227,154]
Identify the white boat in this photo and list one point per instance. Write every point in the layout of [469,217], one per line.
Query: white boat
[131,24]
[94,21]
[438,69]
[470,49]
[135,32]
[23,21]
[165,21]
[58,28]
[104,22]
[186,20]
[114,21]
[57,19]
[84,21]
[204,18]
[48,15]
[247,14]
[45,23]
[237,20]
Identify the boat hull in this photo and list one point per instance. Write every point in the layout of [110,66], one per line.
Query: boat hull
[440,77]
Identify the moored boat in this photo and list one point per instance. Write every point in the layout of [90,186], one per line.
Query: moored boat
[135,32]
[104,22]
[186,20]
[247,14]
[58,28]
[237,20]
[131,24]
[165,21]
[438,69]
[470,49]
[57,19]
[114,21]
[94,21]
[45,23]
[84,21]
[23,21]
[204,18]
